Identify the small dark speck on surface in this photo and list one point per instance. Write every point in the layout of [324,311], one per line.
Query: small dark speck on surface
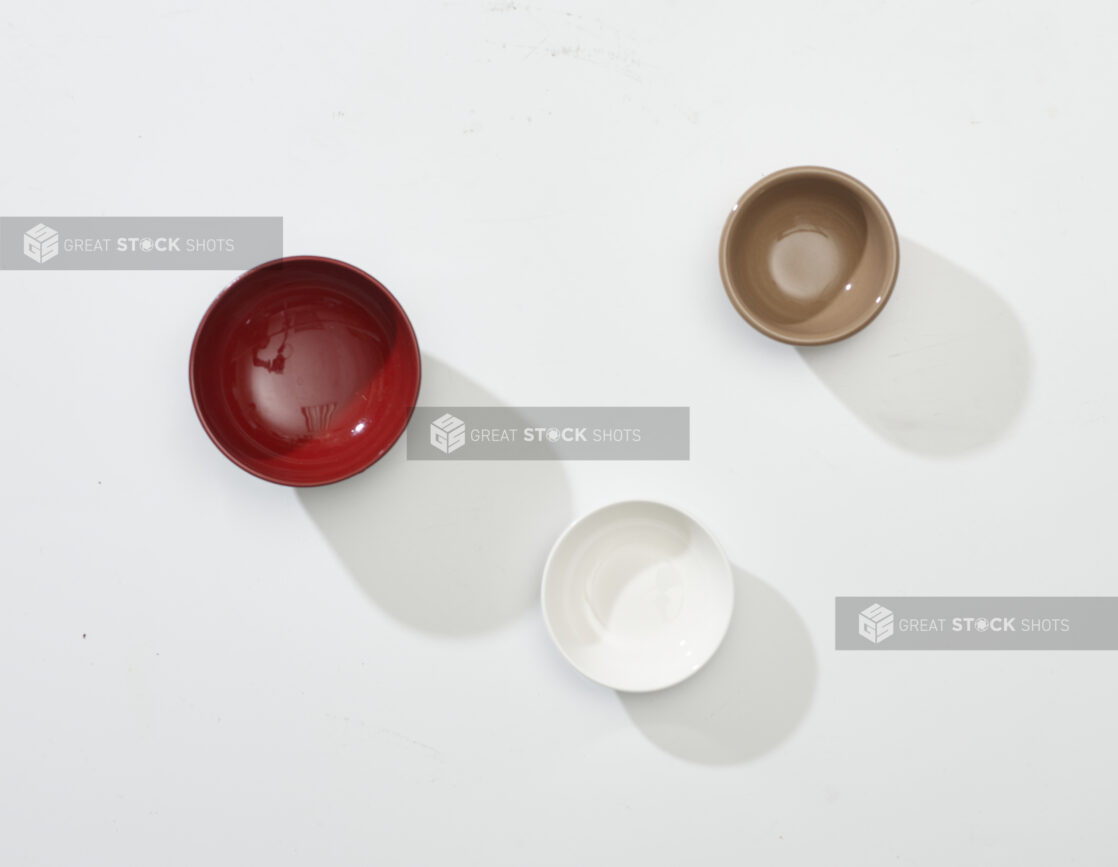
[83,635]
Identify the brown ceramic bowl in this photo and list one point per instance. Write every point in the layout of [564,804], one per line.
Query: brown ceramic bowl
[809,255]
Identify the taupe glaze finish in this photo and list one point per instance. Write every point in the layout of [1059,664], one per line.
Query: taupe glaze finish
[809,255]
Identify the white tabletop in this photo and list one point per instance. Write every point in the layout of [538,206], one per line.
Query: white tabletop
[197,667]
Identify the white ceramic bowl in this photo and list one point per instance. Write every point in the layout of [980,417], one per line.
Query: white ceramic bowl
[637,595]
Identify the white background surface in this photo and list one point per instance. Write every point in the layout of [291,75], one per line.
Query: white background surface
[197,667]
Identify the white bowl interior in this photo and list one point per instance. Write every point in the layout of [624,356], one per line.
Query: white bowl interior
[637,595]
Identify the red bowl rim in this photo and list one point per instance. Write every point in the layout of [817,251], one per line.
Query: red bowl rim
[318,260]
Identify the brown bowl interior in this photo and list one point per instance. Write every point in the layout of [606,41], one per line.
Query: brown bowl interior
[809,256]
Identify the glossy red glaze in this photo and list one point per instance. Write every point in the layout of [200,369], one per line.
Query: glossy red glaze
[304,371]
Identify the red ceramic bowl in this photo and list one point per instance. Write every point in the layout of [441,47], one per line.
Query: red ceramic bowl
[304,371]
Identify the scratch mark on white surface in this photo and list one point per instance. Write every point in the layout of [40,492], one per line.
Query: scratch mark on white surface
[536,47]
[429,750]
[526,218]
[578,37]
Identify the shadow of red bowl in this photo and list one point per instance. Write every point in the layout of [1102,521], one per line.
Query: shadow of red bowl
[305,371]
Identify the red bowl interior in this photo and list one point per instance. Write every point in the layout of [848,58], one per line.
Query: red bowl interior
[304,371]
